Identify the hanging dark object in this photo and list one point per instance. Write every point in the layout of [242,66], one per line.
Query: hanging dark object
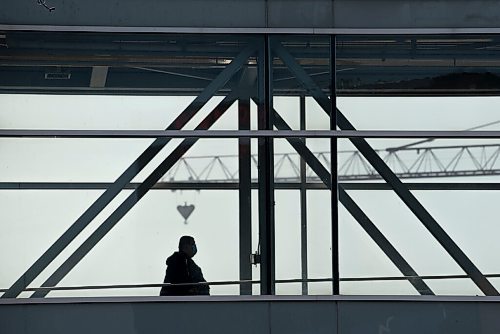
[185,211]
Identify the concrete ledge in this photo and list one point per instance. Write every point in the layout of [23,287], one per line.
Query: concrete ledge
[252,31]
[254,314]
[218,299]
[253,14]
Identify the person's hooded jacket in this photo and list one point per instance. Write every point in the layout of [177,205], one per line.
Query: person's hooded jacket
[182,269]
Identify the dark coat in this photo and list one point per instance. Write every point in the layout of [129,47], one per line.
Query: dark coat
[181,269]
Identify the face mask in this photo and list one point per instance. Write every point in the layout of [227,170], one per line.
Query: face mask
[195,250]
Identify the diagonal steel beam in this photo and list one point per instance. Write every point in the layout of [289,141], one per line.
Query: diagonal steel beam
[406,196]
[127,176]
[384,244]
[355,210]
[133,198]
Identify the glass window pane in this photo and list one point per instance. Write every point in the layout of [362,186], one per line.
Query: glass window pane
[421,113]
[100,81]
[417,64]
[377,288]
[287,231]
[446,177]
[319,240]
[454,287]
[134,252]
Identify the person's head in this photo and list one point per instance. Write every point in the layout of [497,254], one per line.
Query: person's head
[187,246]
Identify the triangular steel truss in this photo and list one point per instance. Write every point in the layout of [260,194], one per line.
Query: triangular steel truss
[407,163]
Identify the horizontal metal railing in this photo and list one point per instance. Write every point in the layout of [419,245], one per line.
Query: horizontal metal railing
[247,134]
[224,283]
[188,185]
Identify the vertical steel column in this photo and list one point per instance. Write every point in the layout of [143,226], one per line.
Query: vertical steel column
[333,169]
[266,171]
[303,202]
[245,196]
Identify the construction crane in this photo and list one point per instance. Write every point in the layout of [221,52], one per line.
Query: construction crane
[406,163]
[409,161]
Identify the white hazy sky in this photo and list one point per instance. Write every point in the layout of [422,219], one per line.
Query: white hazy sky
[135,250]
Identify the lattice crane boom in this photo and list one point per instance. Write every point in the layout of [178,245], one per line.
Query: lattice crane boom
[406,162]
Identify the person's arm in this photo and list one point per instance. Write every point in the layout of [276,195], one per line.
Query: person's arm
[197,276]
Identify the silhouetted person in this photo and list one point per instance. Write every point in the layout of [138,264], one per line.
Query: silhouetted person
[182,269]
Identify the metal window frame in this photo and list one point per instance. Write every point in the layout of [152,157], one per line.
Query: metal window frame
[68,236]
[355,211]
[267,118]
[405,195]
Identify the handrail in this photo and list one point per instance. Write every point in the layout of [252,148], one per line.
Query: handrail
[130,286]
[281,281]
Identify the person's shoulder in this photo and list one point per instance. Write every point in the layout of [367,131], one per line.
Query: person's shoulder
[192,263]
[175,258]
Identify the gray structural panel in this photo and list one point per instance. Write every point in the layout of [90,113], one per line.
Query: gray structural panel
[186,315]
[308,14]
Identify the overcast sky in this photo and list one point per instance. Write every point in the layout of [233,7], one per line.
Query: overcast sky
[136,249]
